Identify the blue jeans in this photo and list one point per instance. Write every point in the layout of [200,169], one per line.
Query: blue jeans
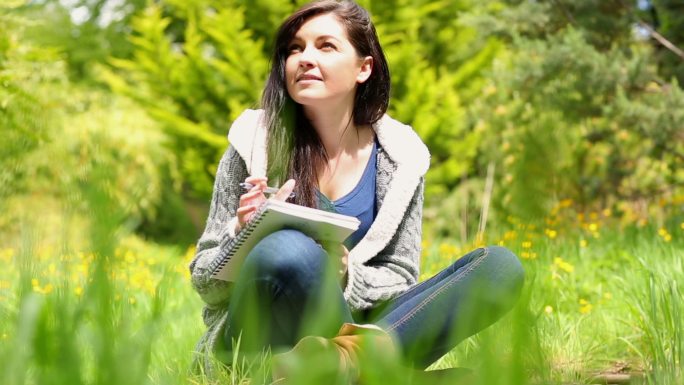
[287,290]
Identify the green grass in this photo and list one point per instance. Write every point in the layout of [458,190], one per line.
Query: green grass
[122,311]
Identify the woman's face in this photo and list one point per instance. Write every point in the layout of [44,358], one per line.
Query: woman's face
[322,64]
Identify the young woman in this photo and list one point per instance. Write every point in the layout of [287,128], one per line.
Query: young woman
[324,135]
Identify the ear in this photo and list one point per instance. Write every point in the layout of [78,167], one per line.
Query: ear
[365,70]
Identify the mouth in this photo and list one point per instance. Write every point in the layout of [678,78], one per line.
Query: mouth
[308,77]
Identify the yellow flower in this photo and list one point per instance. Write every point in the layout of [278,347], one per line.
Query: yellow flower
[565,266]
[526,244]
[528,255]
[4,284]
[667,237]
[129,257]
[583,243]
[551,233]
[78,291]
[593,227]
[548,309]
[7,254]
[585,306]
[565,203]
[508,235]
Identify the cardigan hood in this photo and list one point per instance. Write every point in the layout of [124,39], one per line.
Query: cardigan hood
[248,135]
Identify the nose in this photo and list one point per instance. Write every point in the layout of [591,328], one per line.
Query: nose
[307,57]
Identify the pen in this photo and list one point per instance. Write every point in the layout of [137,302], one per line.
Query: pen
[268,190]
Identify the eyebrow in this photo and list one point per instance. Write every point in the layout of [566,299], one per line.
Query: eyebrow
[322,37]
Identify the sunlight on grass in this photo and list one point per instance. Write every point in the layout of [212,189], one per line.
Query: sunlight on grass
[599,299]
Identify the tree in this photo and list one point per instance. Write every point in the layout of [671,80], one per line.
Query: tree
[578,110]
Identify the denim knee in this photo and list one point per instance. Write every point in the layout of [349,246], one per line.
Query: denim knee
[286,256]
[510,274]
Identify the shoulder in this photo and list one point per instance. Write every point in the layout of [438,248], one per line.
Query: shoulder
[248,136]
[241,133]
[402,144]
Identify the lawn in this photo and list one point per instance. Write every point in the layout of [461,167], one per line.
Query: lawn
[602,299]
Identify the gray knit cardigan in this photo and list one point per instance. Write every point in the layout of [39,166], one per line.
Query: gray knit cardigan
[384,264]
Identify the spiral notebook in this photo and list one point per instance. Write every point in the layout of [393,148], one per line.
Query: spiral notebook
[276,215]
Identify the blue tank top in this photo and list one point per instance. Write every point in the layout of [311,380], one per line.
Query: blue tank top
[359,203]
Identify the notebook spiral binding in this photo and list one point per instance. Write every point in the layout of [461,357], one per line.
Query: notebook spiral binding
[226,253]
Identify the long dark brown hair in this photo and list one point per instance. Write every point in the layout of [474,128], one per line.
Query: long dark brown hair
[294,147]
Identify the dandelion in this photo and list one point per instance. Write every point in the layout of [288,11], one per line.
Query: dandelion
[667,237]
[7,254]
[528,255]
[48,288]
[565,203]
[551,233]
[510,235]
[131,300]
[593,227]
[585,306]
[78,291]
[563,265]
[447,251]
[682,225]
[129,257]
[583,243]
[548,309]
[526,245]
[4,284]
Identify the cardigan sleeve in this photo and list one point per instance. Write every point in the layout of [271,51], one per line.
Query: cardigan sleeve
[396,268]
[219,229]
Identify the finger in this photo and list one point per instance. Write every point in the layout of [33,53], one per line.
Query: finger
[257,181]
[285,190]
[244,213]
[250,196]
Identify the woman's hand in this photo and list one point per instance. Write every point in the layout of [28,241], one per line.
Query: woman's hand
[252,199]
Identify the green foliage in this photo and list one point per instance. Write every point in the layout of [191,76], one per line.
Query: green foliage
[194,83]
[55,135]
[86,32]
[25,107]
[567,116]
[667,16]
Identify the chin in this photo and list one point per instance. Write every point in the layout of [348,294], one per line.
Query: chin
[306,99]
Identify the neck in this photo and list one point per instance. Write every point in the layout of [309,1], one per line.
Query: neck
[335,127]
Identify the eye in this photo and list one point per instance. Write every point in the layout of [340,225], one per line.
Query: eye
[328,45]
[294,48]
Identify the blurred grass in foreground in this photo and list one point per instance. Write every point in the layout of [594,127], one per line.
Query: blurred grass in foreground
[121,311]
